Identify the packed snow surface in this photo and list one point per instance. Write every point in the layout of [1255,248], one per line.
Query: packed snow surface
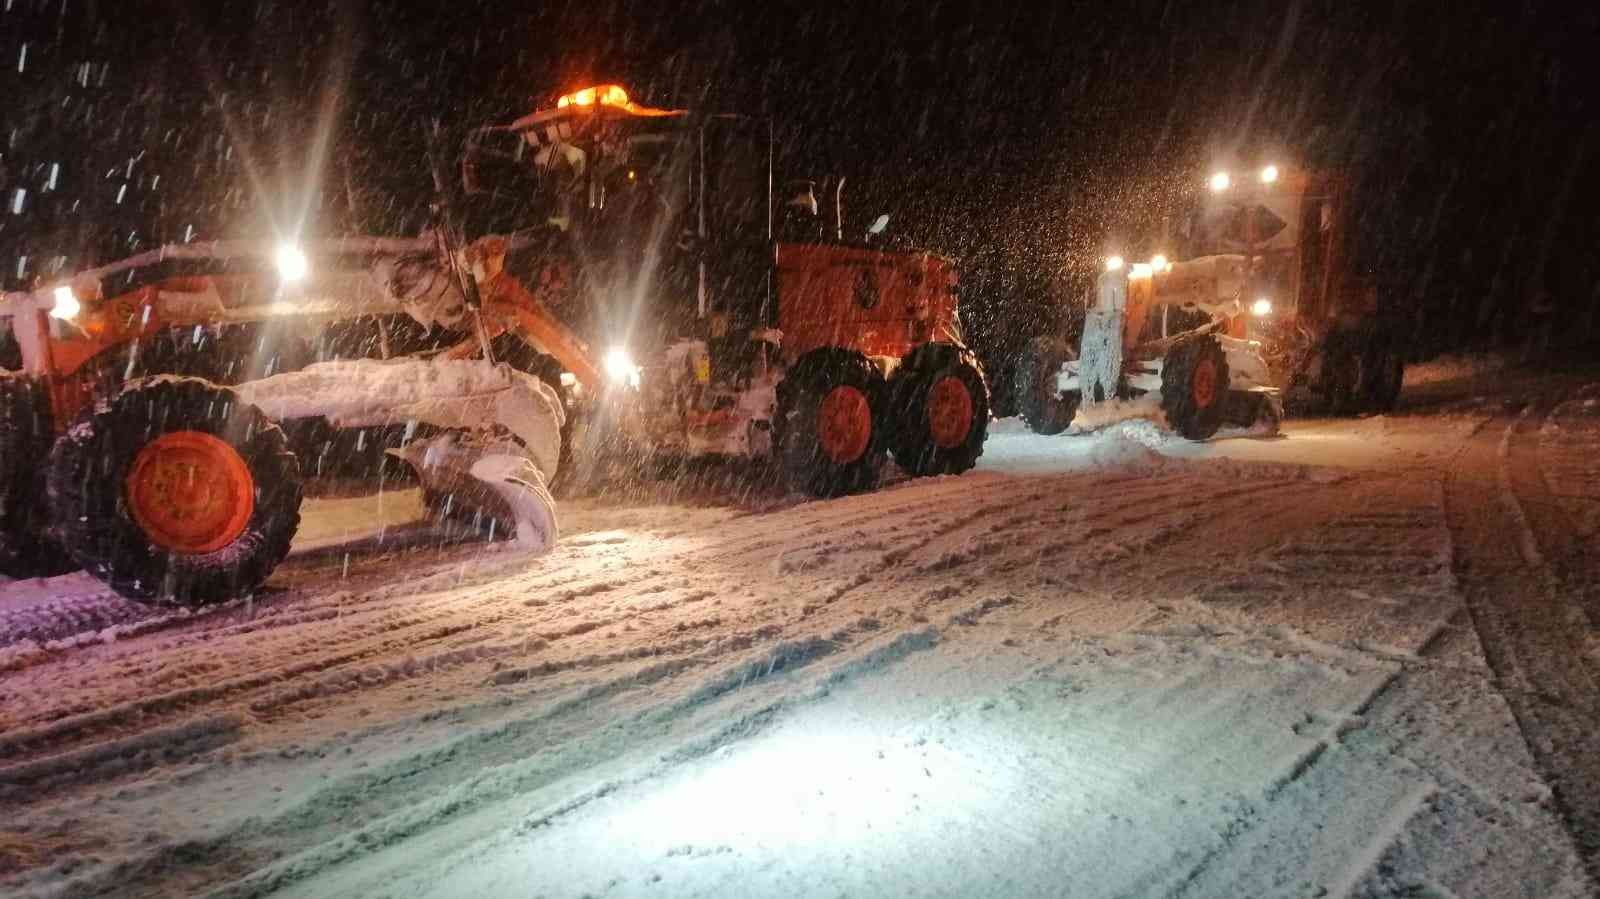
[1106,664]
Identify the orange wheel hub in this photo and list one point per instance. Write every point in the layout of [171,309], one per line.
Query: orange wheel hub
[949,412]
[190,492]
[1203,384]
[844,424]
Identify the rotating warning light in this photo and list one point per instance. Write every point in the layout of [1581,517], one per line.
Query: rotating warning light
[603,95]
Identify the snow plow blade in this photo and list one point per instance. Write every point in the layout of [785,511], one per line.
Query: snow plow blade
[492,488]
[501,439]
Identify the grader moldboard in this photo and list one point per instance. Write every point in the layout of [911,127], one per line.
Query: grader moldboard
[154,430]
[1259,305]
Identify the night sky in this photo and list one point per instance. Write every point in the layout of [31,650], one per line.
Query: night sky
[1021,141]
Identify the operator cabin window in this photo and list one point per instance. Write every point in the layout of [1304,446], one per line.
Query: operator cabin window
[738,179]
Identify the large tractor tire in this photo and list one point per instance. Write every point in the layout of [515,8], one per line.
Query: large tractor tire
[828,437]
[1044,409]
[1194,386]
[175,491]
[938,412]
[1343,374]
[1362,372]
[25,437]
[1385,372]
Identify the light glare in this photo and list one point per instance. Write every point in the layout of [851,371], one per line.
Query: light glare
[1113,263]
[1269,174]
[1220,182]
[620,368]
[1261,307]
[292,264]
[66,305]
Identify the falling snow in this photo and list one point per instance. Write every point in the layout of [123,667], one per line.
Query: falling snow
[1355,658]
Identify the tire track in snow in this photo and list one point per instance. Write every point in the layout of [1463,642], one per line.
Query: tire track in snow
[290,668]
[933,528]
[1367,566]
[78,620]
[1524,612]
[1570,498]
[314,659]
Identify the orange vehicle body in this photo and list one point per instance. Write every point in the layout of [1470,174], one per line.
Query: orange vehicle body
[879,302]
[68,353]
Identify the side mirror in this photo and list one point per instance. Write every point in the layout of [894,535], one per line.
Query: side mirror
[878,224]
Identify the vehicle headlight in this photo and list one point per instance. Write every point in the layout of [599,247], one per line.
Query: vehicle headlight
[1220,182]
[292,264]
[1113,263]
[620,368]
[66,305]
[1261,307]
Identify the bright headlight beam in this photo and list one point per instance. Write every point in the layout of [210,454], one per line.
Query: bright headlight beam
[292,264]
[1158,263]
[1220,182]
[1261,307]
[620,368]
[66,305]
[1113,263]
[1269,174]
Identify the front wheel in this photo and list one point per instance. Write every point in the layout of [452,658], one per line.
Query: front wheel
[938,411]
[1385,369]
[176,490]
[827,435]
[1344,374]
[1194,387]
[1044,408]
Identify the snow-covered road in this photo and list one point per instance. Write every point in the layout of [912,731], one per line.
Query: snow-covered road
[1355,660]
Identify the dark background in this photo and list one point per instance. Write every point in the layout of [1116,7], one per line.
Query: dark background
[1022,140]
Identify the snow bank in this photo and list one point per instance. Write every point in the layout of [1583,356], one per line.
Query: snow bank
[1100,415]
[1453,367]
[1134,444]
[1128,444]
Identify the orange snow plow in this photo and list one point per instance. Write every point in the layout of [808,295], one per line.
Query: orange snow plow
[171,392]
[1261,304]
[176,481]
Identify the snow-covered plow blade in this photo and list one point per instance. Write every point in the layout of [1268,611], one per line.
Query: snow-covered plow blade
[487,438]
[487,484]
